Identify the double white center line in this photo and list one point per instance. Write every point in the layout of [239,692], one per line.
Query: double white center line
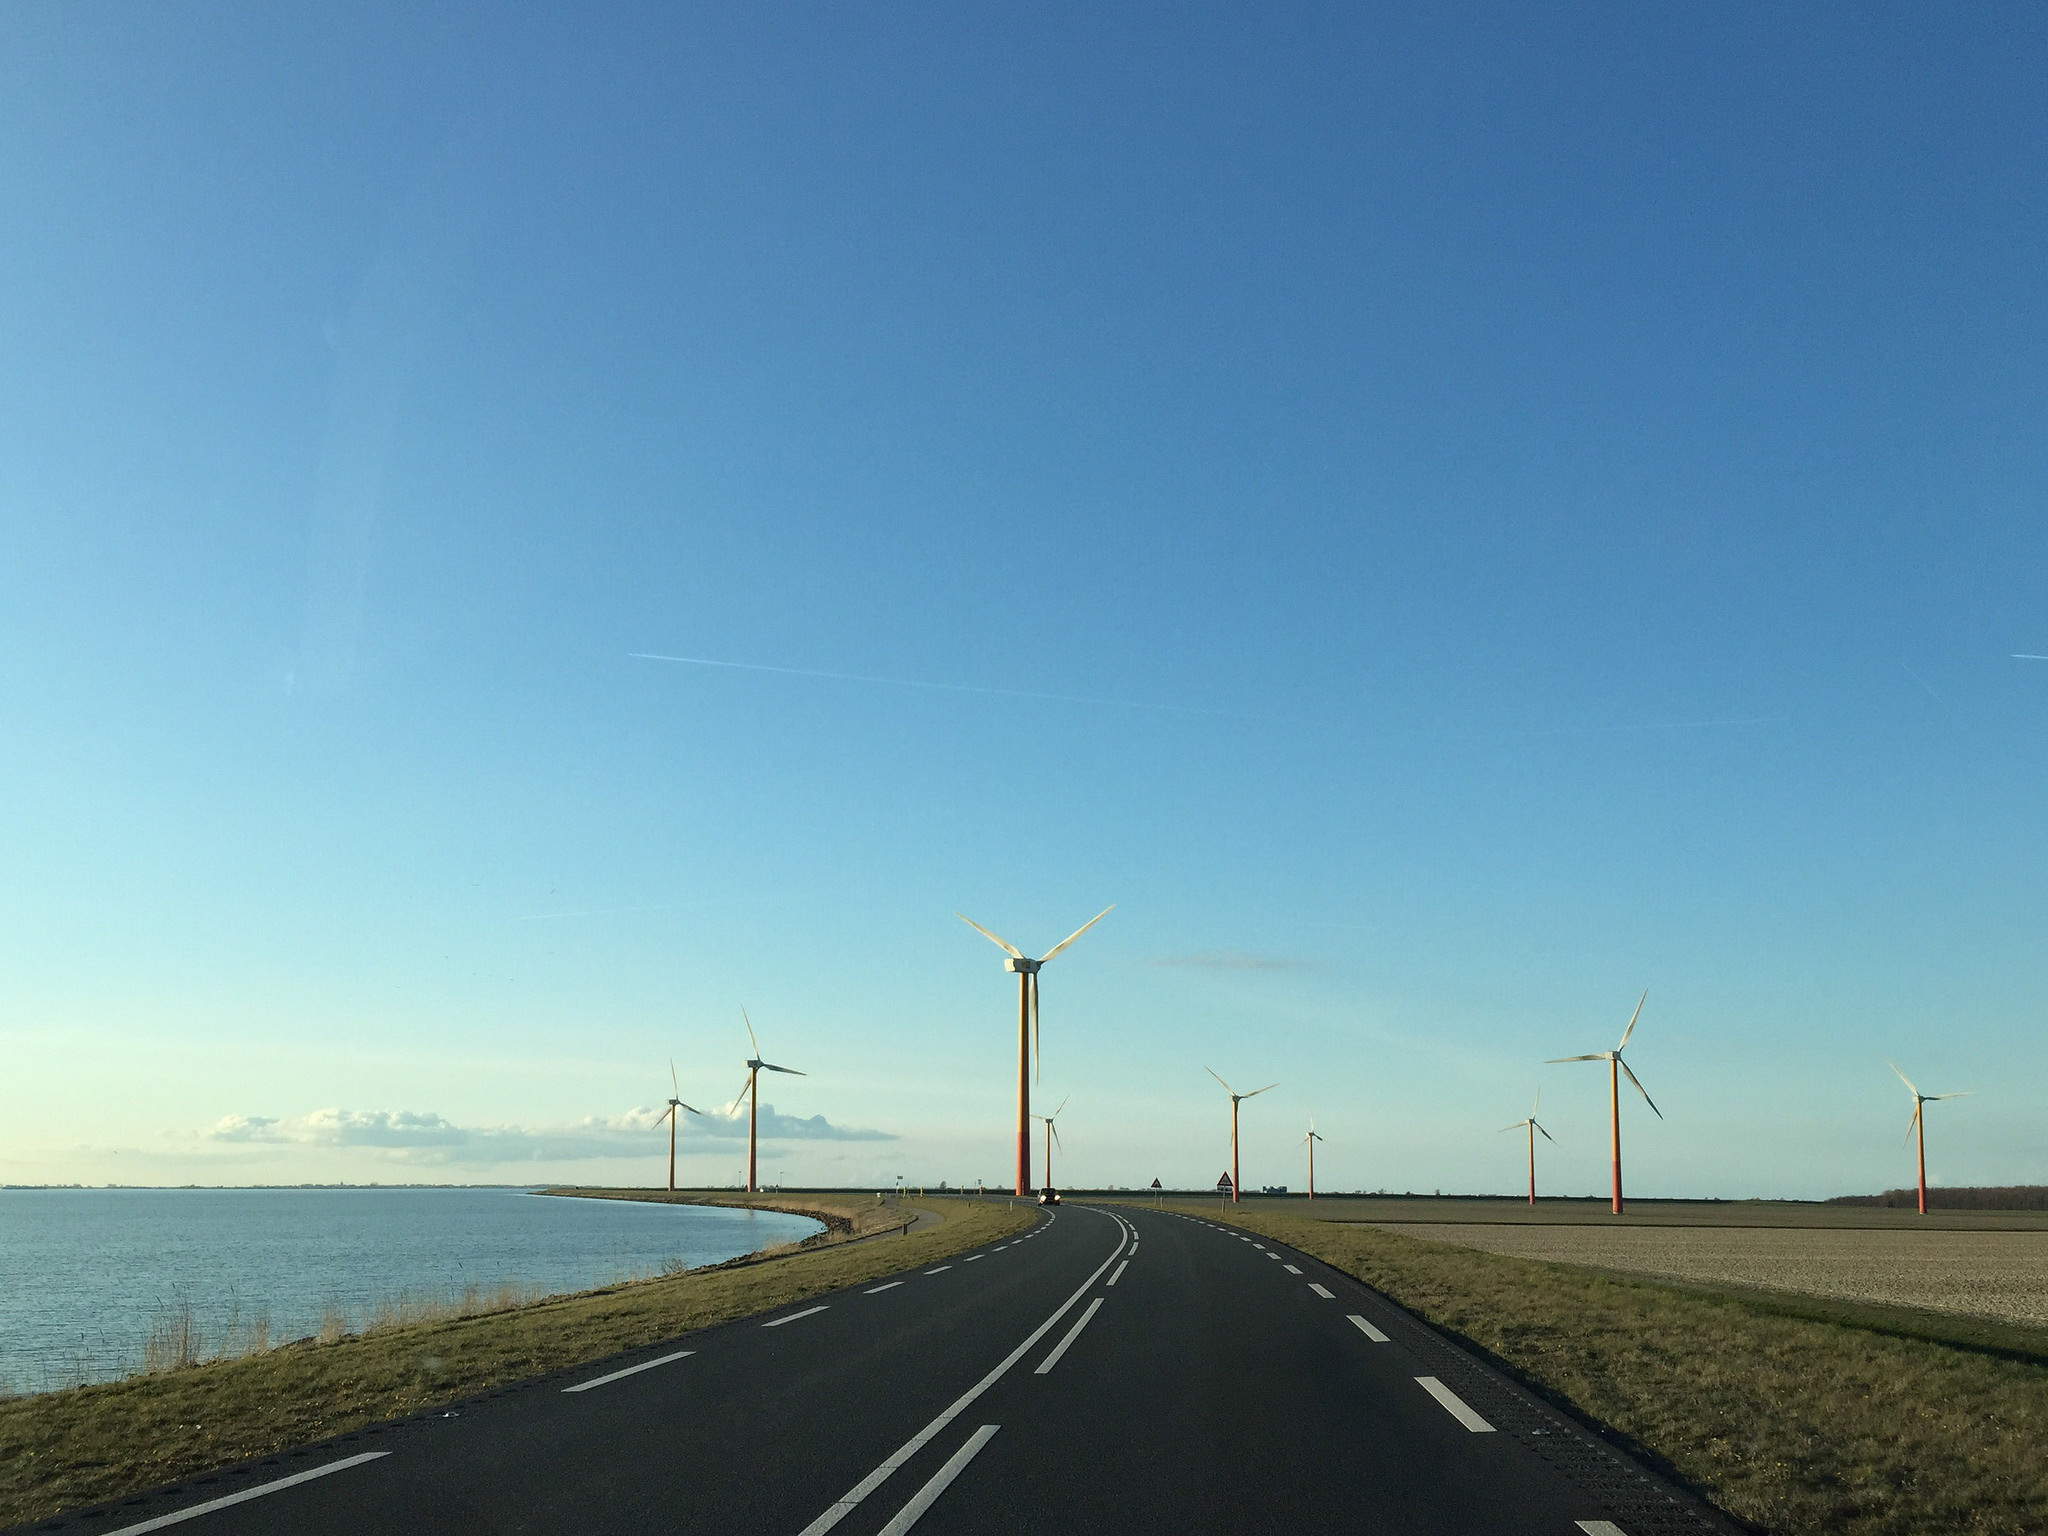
[851,1500]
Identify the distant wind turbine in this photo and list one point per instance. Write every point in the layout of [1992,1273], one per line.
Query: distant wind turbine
[1027,1026]
[1918,1124]
[1615,1067]
[752,1094]
[1310,1141]
[1052,1134]
[1533,1128]
[672,1114]
[1236,1098]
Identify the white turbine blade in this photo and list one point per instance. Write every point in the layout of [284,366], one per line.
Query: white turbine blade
[674,1084]
[1226,1087]
[1518,1125]
[1546,1135]
[769,1066]
[1904,1079]
[1632,1020]
[739,1098]
[1063,943]
[1596,1056]
[1533,1108]
[692,1108]
[1003,944]
[1963,1095]
[1257,1091]
[1055,1134]
[1640,1088]
[1056,1113]
[1912,1121]
[663,1116]
[750,1033]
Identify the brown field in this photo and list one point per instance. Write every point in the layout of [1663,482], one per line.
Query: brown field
[1385,1209]
[1992,1274]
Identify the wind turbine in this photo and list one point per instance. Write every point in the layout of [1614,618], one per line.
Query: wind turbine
[1236,1098]
[1615,1067]
[1027,1026]
[672,1114]
[1533,1128]
[752,1094]
[1310,1139]
[1052,1134]
[1917,1123]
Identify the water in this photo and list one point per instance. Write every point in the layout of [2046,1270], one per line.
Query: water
[85,1272]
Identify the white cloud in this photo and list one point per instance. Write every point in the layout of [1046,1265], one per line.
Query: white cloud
[411,1136]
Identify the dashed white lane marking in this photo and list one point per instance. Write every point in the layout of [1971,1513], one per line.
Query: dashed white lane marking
[929,1493]
[972,1257]
[940,1270]
[1260,1246]
[246,1494]
[1290,1269]
[807,1312]
[1590,1527]
[1368,1330]
[1327,1295]
[631,1370]
[851,1500]
[1454,1405]
[1274,1257]
[1119,1272]
[1073,1333]
[881,1288]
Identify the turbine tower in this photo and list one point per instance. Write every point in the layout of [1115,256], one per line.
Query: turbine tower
[672,1114]
[1615,1067]
[752,1094]
[1052,1134]
[1310,1141]
[1027,1026]
[1236,1098]
[1533,1128]
[1919,1124]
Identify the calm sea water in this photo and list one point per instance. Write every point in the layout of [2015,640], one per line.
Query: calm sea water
[85,1272]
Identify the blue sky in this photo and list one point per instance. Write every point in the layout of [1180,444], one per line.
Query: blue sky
[1513,505]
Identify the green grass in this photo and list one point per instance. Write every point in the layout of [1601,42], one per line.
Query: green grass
[1793,1413]
[59,1450]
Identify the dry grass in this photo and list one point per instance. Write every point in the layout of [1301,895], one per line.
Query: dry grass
[1796,1416]
[2001,1275]
[59,1450]
[1399,1209]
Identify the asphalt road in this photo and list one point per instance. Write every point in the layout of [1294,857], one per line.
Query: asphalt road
[1115,1369]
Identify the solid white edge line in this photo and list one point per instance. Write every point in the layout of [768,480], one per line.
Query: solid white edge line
[881,1288]
[867,1485]
[1322,1291]
[1454,1405]
[1369,1331]
[1073,1333]
[631,1370]
[928,1495]
[246,1494]
[807,1312]
[1112,1280]
[1600,1528]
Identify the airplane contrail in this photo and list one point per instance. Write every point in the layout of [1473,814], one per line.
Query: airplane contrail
[913,682]
[2027,656]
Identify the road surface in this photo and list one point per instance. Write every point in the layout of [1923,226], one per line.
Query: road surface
[1116,1368]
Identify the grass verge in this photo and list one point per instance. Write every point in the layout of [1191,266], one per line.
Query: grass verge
[59,1450]
[1794,1414]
